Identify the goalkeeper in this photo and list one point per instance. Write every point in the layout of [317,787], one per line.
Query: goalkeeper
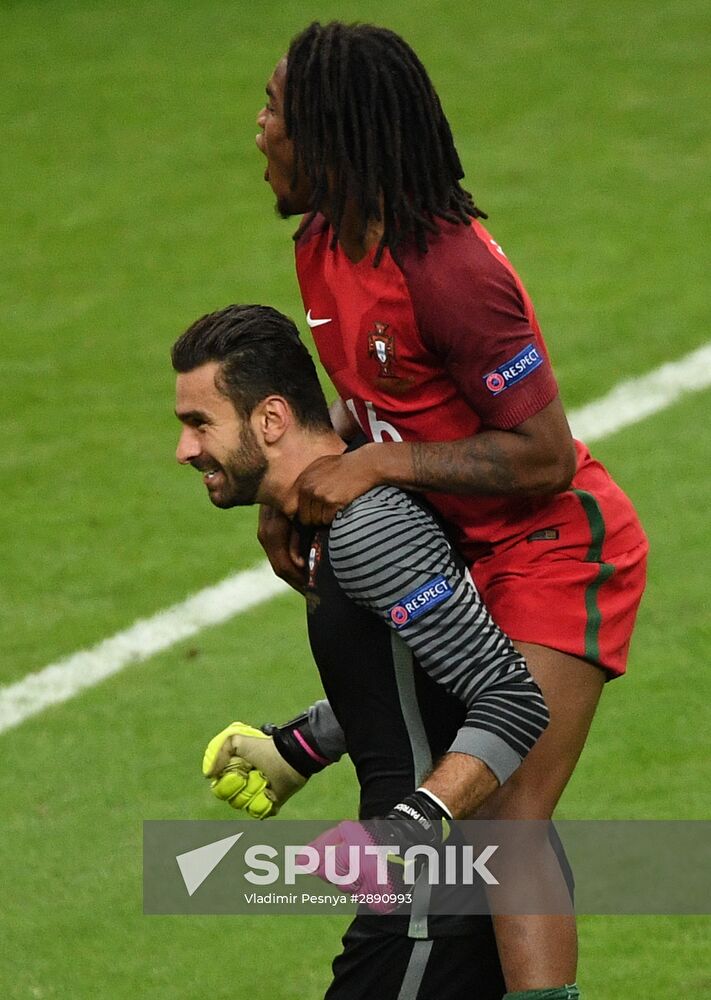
[430,699]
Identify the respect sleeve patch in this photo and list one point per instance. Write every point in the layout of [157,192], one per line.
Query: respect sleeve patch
[420,601]
[512,371]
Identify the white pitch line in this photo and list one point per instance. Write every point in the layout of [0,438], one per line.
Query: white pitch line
[632,401]
[628,403]
[63,680]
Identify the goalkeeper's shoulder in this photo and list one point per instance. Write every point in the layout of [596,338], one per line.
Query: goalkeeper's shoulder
[384,501]
[387,528]
[380,514]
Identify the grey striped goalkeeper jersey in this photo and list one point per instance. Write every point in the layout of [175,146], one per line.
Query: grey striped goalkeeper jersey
[411,661]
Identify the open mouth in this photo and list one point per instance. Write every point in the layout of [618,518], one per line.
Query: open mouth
[259,140]
[211,476]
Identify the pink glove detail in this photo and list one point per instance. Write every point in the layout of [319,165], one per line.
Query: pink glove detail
[350,858]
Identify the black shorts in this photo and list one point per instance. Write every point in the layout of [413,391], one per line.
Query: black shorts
[378,965]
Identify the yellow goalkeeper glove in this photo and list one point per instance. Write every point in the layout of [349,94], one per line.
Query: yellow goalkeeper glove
[248,769]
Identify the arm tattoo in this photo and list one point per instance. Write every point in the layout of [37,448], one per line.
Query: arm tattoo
[473,465]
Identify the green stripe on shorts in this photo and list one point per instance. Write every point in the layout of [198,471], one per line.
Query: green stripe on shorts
[597,531]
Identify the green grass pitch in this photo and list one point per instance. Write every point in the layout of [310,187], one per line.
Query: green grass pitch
[133,201]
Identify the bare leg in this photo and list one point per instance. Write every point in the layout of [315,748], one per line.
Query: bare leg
[541,951]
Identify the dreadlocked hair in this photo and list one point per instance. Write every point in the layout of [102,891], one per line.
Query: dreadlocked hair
[368,128]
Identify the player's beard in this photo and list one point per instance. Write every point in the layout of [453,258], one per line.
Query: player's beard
[243,471]
[295,200]
[283,209]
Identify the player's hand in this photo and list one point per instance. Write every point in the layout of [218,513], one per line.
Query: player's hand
[330,483]
[377,876]
[384,876]
[281,544]
[342,420]
[247,770]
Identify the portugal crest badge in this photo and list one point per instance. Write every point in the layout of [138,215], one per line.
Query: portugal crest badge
[381,346]
[314,560]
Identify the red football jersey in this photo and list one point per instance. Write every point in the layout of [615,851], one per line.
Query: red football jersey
[433,348]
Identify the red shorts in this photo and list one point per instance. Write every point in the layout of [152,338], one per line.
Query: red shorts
[574,580]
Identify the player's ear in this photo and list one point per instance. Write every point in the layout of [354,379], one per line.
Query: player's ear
[273,417]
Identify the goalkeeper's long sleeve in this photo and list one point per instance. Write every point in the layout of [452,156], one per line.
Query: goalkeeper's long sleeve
[327,731]
[390,556]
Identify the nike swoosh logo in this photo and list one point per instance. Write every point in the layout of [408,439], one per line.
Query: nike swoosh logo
[315,322]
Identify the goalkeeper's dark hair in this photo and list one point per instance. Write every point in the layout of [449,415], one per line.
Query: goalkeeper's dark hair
[260,354]
[368,126]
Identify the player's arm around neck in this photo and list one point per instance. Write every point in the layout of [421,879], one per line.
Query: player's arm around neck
[535,458]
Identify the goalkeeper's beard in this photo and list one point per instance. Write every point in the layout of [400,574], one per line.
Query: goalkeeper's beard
[241,474]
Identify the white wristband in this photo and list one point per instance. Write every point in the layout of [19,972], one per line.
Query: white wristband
[437,801]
